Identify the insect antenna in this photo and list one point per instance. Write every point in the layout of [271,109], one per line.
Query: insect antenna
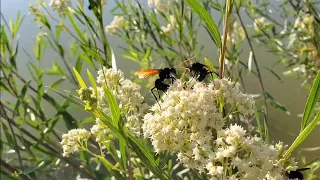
[186,61]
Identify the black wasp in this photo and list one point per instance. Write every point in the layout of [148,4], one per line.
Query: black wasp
[166,73]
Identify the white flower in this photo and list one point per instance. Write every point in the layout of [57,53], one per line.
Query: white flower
[102,133]
[189,118]
[61,5]
[160,5]
[236,34]
[109,77]
[74,140]
[127,93]
[171,26]
[118,21]
[261,24]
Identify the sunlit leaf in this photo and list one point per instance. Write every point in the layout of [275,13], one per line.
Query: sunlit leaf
[302,136]
[113,105]
[79,78]
[207,19]
[311,102]
[93,82]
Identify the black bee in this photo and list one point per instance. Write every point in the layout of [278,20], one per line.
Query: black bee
[296,174]
[199,71]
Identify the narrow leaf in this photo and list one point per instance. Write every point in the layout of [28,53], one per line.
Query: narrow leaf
[93,82]
[207,19]
[257,117]
[113,105]
[302,136]
[68,98]
[79,78]
[311,102]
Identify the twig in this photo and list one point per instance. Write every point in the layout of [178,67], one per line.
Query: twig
[225,33]
[12,170]
[265,112]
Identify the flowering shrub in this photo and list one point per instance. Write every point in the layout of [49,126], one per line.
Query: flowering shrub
[196,131]
[190,122]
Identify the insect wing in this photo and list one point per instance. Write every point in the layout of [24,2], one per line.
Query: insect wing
[146,73]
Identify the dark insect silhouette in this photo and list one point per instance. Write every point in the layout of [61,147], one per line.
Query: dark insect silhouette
[159,85]
[296,174]
[198,70]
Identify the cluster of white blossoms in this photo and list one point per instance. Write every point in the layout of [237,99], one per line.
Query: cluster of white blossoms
[303,30]
[74,140]
[128,95]
[190,122]
[118,21]
[61,6]
[236,34]
[160,5]
[171,26]
[262,24]
[102,133]
[249,156]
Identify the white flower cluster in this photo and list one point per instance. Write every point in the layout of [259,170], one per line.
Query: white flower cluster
[236,34]
[102,133]
[171,26]
[127,93]
[74,140]
[61,6]
[262,24]
[109,77]
[303,30]
[118,21]
[190,122]
[250,156]
[160,5]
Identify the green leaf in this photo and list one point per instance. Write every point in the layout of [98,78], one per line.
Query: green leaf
[68,98]
[146,157]
[17,24]
[271,100]
[55,70]
[76,27]
[79,64]
[302,136]
[83,57]
[123,154]
[57,83]
[256,114]
[93,82]
[108,122]
[211,67]
[7,134]
[79,78]
[274,73]
[113,106]
[311,102]
[207,19]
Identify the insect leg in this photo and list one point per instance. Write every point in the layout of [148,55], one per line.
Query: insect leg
[155,95]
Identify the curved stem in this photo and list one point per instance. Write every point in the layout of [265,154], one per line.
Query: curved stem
[265,111]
